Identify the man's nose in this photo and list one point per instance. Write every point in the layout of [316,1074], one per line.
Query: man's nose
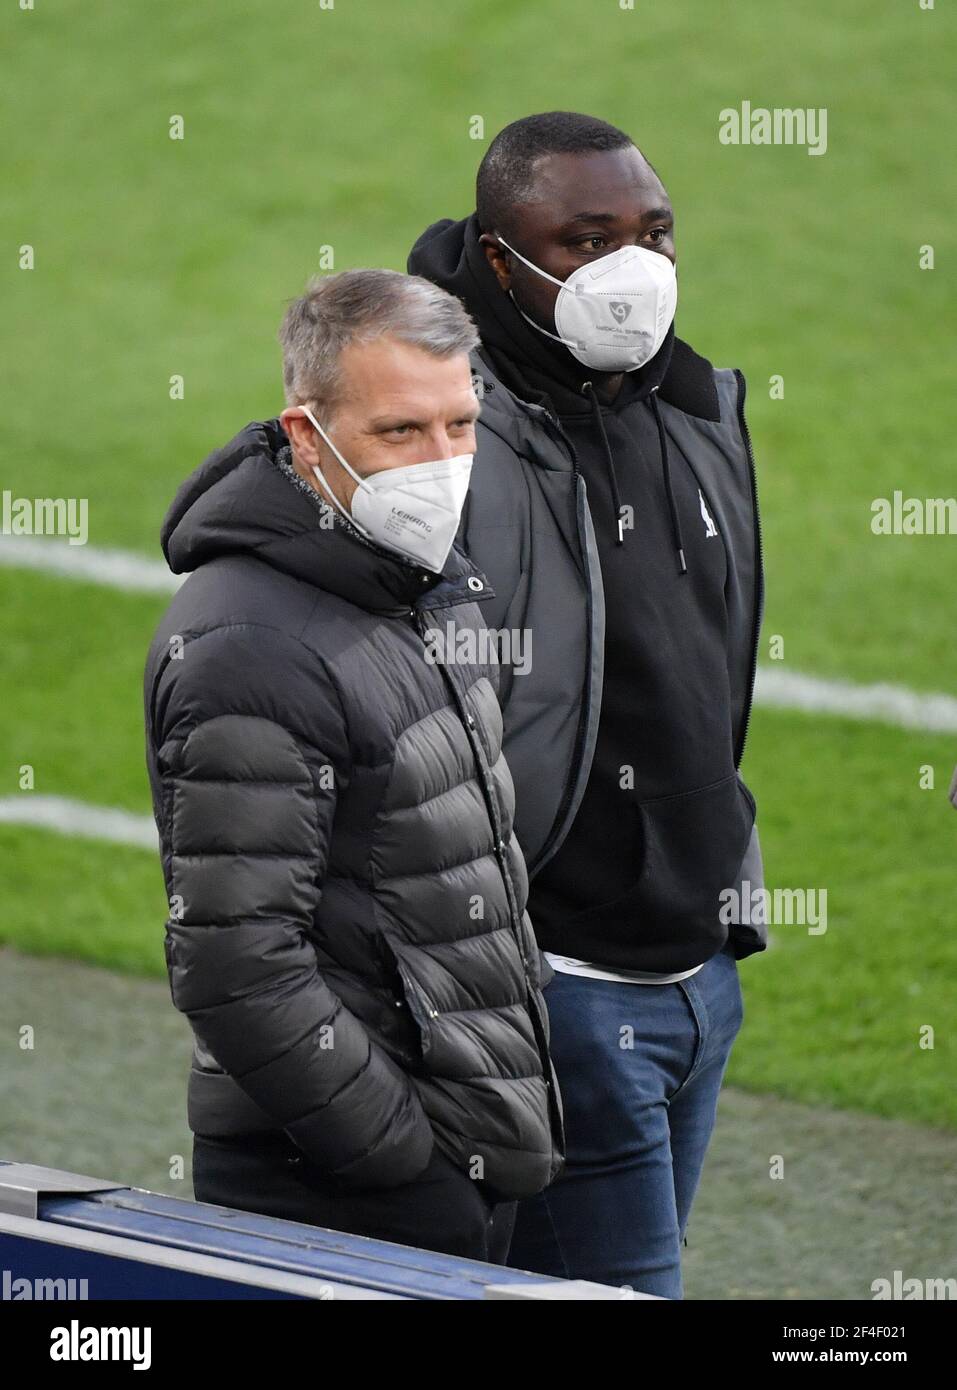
[438,444]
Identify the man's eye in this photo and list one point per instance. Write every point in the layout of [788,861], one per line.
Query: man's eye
[660,232]
[589,243]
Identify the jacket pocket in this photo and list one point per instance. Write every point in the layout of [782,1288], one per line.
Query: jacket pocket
[420,1007]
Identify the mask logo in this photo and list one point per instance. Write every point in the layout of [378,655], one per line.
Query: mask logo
[619,311]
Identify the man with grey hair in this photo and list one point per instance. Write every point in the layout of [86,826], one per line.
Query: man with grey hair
[347,931]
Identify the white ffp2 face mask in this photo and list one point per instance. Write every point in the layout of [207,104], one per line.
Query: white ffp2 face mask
[614,313]
[414,510]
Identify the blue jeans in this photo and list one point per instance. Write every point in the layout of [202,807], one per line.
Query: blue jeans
[639,1068]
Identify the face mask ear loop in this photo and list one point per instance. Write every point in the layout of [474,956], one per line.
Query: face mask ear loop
[565,342]
[346,466]
[529,263]
[335,501]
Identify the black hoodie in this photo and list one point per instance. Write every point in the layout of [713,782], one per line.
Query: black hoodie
[665,727]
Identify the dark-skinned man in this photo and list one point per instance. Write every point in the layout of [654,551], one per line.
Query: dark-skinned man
[613,507]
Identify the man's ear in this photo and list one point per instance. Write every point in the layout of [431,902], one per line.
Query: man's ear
[301,433]
[497,257]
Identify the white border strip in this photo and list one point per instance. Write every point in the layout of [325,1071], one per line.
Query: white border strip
[882,704]
[79,819]
[117,569]
[775,688]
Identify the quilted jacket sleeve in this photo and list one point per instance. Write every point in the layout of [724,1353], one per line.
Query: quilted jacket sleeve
[245,804]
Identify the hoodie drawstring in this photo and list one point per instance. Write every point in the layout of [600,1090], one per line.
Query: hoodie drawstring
[666,474]
[589,390]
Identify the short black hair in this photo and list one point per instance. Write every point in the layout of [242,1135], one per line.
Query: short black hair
[505,174]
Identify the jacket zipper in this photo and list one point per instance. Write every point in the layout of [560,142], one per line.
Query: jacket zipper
[572,774]
[417,995]
[759,591]
[759,577]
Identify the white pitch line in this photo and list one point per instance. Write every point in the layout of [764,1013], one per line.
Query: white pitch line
[117,569]
[883,704]
[880,704]
[79,819]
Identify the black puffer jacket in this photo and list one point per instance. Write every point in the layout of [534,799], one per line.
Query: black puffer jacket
[347,931]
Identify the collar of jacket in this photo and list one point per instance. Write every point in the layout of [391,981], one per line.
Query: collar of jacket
[246,498]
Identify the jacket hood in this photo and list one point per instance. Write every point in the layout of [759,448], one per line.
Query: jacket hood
[247,498]
[534,367]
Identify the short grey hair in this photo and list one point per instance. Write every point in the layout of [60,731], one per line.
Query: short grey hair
[360,306]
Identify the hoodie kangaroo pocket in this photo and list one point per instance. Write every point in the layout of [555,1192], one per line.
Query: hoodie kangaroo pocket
[692,847]
[695,843]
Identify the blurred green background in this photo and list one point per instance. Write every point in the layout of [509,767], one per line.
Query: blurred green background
[349,128]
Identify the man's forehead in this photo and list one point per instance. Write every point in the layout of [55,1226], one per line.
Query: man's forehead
[393,373]
[595,182]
